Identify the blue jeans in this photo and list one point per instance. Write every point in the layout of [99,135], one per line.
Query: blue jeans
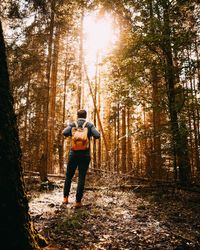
[82,162]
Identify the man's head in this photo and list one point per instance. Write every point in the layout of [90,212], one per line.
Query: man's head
[82,113]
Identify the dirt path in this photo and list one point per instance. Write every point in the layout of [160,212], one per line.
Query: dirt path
[118,220]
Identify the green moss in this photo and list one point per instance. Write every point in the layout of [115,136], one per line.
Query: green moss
[72,221]
[37,239]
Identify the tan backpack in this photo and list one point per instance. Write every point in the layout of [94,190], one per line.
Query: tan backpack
[80,139]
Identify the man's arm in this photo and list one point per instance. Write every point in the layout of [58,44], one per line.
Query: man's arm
[68,130]
[95,133]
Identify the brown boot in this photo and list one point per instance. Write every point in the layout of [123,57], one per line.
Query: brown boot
[77,204]
[65,200]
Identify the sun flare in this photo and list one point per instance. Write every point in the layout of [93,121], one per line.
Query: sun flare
[98,32]
[99,37]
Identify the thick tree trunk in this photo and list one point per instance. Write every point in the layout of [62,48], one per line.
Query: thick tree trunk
[156,147]
[39,110]
[190,138]
[25,145]
[16,230]
[198,60]
[156,156]
[45,154]
[178,138]
[61,137]
[195,127]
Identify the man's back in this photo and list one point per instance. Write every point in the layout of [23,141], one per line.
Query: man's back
[92,131]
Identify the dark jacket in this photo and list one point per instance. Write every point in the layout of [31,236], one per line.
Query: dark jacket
[92,131]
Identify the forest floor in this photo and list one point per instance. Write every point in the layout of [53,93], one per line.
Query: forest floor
[114,218]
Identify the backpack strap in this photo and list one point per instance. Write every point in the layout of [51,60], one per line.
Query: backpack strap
[76,124]
[84,124]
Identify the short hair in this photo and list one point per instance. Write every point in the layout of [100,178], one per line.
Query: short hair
[81,113]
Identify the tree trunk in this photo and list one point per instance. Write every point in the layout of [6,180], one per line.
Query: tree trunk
[39,128]
[129,144]
[156,147]
[179,146]
[95,115]
[198,61]
[99,110]
[25,144]
[79,87]
[156,156]
[52,102]
[123,167]
[189,117]
[195,120]
[118,136]
[45,154]
[147,152]
[61,137]
[137,158]
[98,117]
[16,231]
[115,139]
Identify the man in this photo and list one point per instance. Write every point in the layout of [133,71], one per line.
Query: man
[78,158]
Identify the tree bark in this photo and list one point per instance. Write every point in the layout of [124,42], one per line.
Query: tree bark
[181,151]
[123,167]
[98,117]
[99,110]
[156,157]
[52,101]
[95,114]
[16,230]
[61,137]
[79,87]
[45,154]
[118,136]
[129,144]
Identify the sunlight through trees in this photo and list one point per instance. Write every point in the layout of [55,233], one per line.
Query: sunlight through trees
[133,65]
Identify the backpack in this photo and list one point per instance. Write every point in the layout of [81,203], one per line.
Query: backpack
[80,139]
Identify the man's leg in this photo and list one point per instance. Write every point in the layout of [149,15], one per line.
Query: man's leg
[71,168]
[83,165]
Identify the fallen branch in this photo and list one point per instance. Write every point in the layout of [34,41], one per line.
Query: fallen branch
[33,173]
